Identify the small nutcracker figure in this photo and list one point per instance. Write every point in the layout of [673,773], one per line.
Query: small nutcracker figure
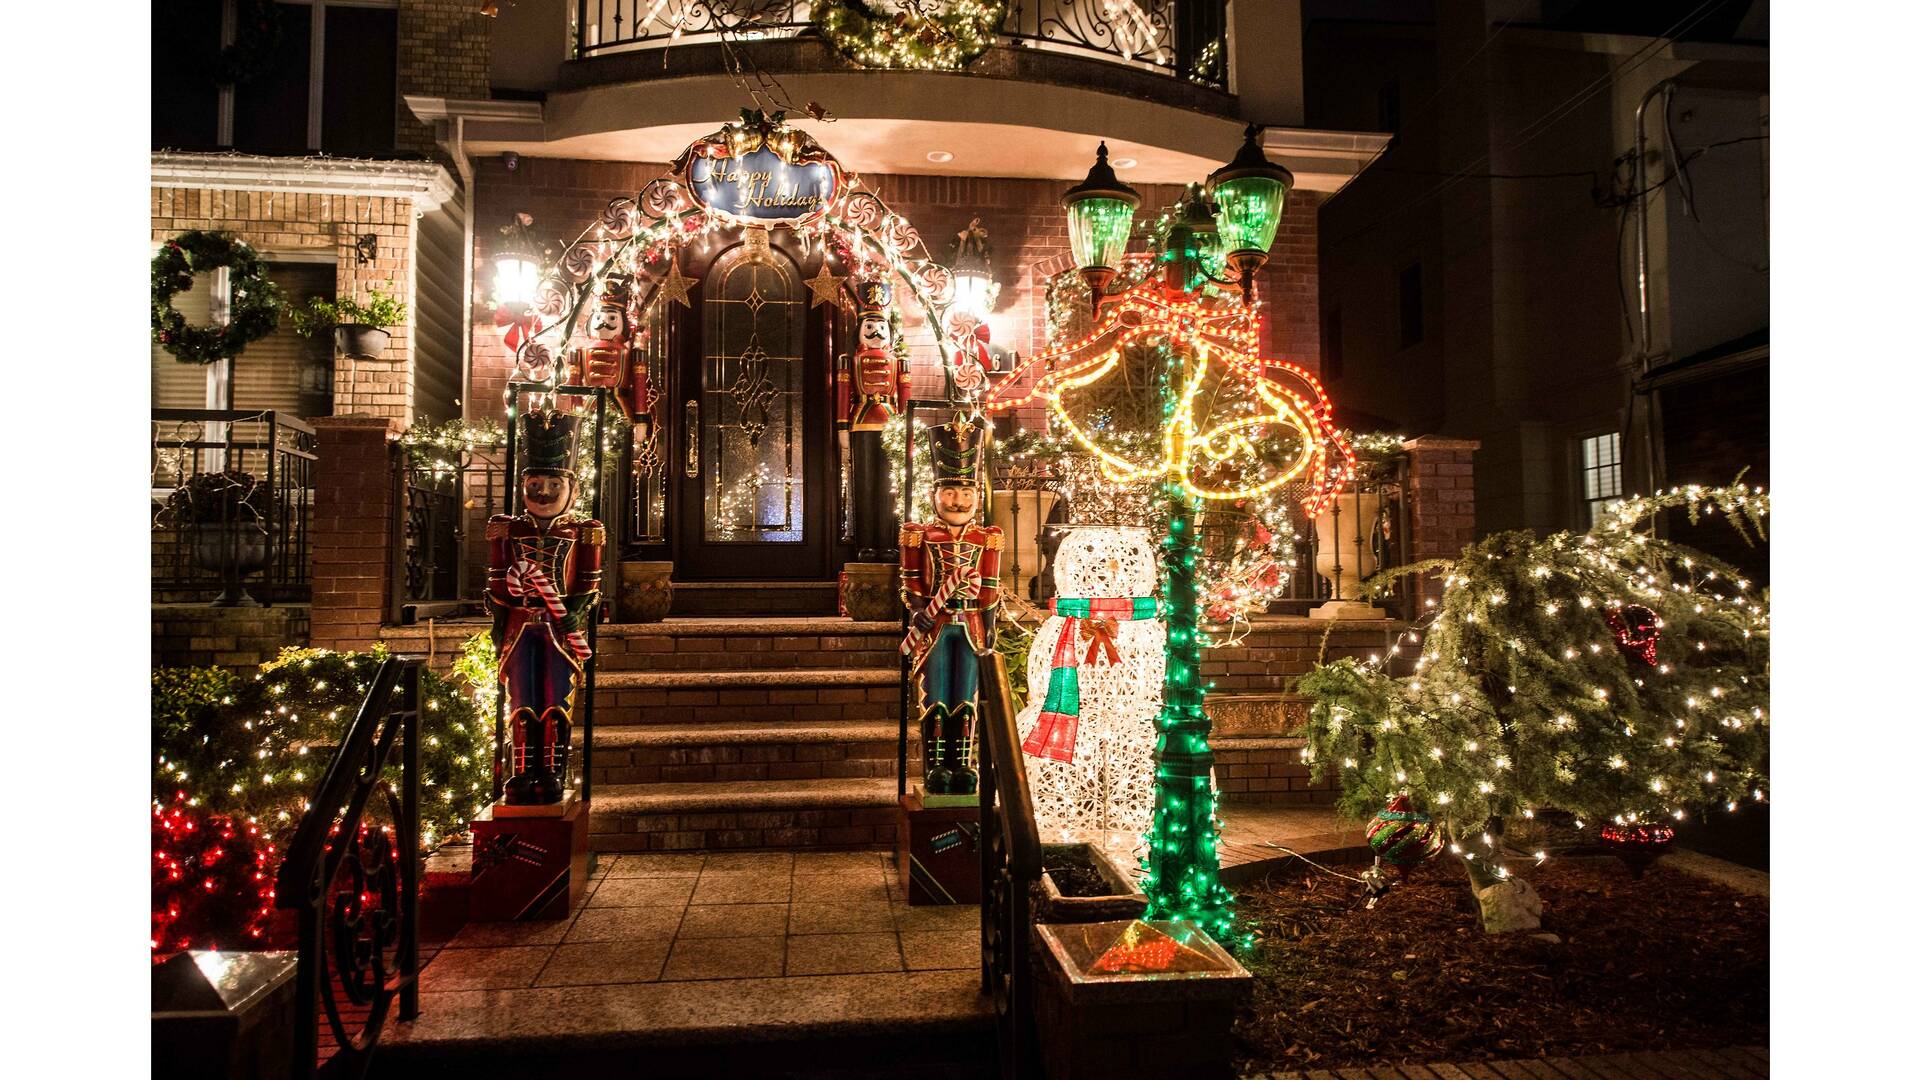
[609,359]
[543,585]
[876,371]
[949,579]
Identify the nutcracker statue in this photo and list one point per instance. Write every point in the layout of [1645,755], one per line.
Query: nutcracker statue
[609,358]
[949,579]
[876,371]
[543,585]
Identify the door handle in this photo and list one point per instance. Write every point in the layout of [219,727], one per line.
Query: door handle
[692,427]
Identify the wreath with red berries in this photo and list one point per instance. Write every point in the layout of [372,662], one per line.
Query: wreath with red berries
[255,309]
[928,35]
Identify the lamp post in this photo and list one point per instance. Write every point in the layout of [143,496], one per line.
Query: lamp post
[1250,192]
[1099,220]
[1235,226]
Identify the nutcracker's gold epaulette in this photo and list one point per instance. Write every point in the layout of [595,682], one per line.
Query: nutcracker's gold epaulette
[911,537]
[497,526]
[993,540]
[593,532]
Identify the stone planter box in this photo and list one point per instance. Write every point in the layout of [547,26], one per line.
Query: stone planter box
[1125,999]
[870,592]
[1122,899]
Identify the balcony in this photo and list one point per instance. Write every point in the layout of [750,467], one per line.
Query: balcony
[1174,51]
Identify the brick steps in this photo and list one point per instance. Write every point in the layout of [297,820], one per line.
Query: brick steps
[825,813]
[793,695]
[723,752]
[732,598]
[769,644]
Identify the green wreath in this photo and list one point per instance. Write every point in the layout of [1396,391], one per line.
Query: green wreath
[256,300]
[946,39]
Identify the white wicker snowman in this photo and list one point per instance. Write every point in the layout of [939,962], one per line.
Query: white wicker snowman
[1091,775]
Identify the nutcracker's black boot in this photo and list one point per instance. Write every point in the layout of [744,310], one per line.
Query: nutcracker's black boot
[534,784]
[965,780]
[933,729]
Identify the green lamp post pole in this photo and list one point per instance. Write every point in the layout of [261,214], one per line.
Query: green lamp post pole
[1183,862]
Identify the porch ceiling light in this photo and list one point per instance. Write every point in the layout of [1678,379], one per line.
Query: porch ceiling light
[1099,219]
[518,262]
[1250,192]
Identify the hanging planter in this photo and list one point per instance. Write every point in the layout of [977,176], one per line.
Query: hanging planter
[359,330]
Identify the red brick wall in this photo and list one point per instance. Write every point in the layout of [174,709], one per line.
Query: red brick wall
[1442,501]
[352,517]
[1024,218]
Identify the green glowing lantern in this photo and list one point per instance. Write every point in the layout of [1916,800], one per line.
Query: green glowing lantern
[1250,192]
[1099,220]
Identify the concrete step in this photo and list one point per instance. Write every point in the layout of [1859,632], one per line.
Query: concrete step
[826,813]
[724,751]
[770,643]
[790,695]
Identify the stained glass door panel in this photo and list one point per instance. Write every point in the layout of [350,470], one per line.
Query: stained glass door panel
[752,403]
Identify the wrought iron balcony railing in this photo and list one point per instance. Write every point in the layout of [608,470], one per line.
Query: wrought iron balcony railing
[1183,39]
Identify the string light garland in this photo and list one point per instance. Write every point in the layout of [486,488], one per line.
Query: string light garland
[213,881]
[1523,697]
[920,35]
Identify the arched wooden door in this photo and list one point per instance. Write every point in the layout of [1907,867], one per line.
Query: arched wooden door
[750,463]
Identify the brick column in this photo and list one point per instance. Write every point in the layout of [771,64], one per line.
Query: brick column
[352,516]
[1441,494]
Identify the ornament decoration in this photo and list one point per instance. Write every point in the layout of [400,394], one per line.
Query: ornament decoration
[826,286]
[1402,836]
[675,286]
[1636,629]
[254,310]
[1637,843]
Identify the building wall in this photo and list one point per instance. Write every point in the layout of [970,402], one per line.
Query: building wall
[1023,217]
[282,224]
[446,50]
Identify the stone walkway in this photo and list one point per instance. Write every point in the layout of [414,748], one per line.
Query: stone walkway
[1737,1063]
[673,949]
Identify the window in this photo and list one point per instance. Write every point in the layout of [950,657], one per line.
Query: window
[1413,329]
[1333,359]
[341,99]
[1599,472]
[282,371]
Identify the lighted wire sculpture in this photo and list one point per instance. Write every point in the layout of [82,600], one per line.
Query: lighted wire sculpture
[1093,678]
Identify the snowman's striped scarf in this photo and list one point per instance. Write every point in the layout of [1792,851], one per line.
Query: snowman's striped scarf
[1058,730]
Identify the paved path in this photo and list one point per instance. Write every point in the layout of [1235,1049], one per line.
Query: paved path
[1736,1063]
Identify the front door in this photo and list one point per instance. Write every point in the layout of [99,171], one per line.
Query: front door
[751,408]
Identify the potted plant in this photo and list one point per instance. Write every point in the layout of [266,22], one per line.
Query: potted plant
[359,330]
[1081,883]
[225,516]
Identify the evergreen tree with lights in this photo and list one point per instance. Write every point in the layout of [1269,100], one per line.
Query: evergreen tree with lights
[1614,675]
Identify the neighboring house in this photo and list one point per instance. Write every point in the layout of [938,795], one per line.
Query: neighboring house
[311,159]
[1483,279]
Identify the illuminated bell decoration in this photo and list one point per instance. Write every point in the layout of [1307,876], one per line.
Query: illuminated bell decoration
[1402,836]
[1250,192]
[1099,220]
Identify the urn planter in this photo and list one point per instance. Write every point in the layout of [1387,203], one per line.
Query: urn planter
[1346,535]
[232,549]
[360,341]
[646,591]
[1081,883]
[870,591]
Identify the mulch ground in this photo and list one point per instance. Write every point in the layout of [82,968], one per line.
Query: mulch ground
[1670,961]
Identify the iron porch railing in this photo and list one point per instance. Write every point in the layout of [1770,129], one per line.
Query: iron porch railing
[356,886]
[1009,872]
[1183,39]
[254,540]
[440,512]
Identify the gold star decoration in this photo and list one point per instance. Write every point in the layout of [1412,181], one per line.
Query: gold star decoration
[673,287]
[825,286]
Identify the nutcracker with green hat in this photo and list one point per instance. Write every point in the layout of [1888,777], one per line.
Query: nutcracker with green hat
[543,586]
[950,580]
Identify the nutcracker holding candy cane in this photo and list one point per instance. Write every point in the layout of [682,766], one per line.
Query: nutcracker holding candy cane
[608,358]
[543,585]
[950,579]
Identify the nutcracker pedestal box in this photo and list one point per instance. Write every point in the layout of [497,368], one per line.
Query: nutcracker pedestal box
[529,862]
[939,849]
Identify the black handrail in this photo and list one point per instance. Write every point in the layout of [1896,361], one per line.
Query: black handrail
[346,933]
[1009,871]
